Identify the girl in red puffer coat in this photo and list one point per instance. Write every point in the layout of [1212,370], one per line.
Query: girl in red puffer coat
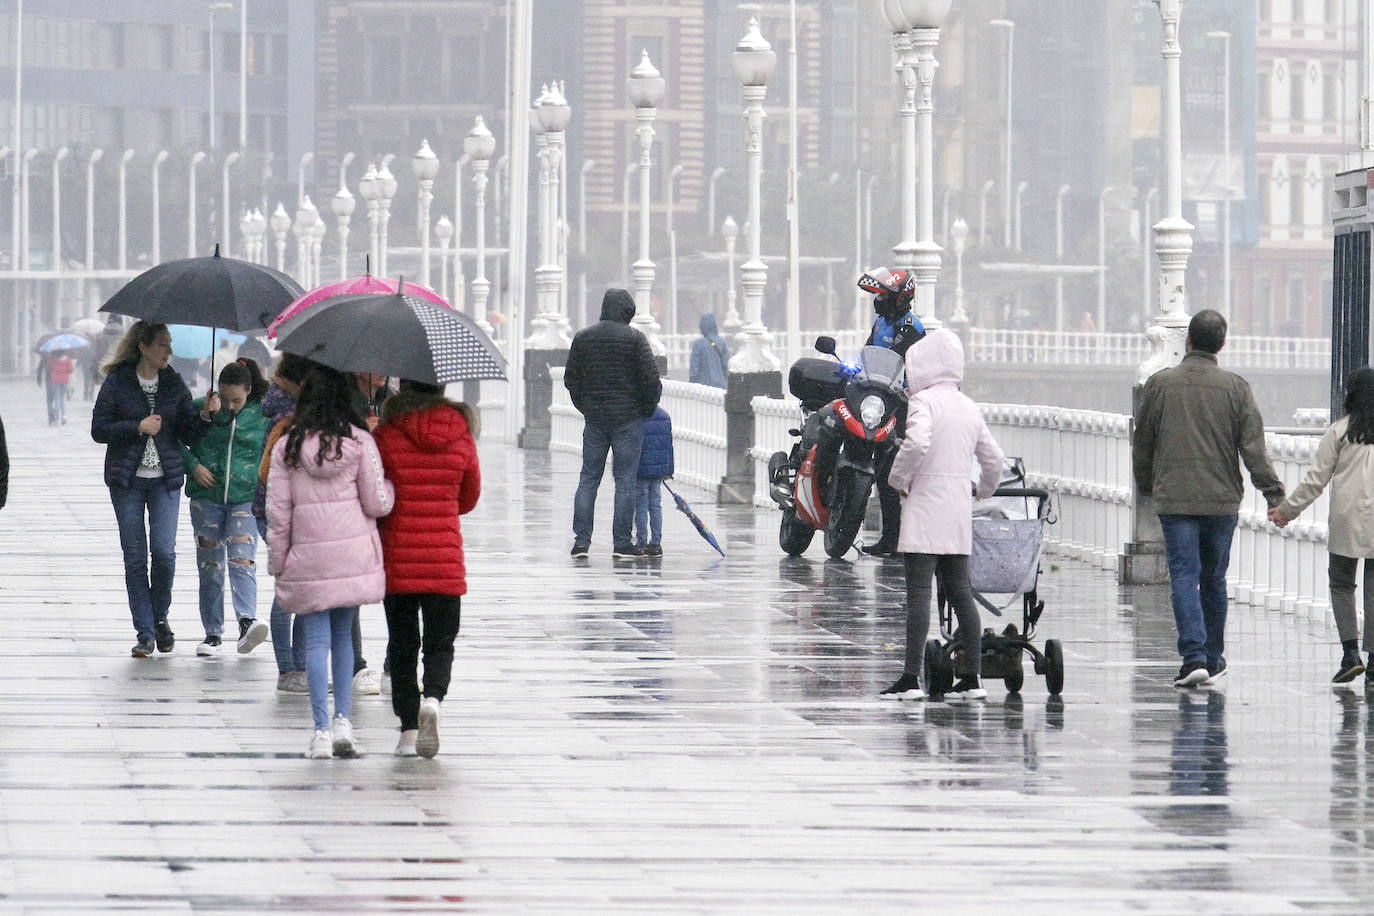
[429,455]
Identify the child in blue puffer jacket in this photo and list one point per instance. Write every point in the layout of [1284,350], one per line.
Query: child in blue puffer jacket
[655,466]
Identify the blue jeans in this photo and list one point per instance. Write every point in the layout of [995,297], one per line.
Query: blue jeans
[288,639]
[649,511]
[1199,550]
[149,599]
[57,402]
[225,535]
[624,441]
[329,632]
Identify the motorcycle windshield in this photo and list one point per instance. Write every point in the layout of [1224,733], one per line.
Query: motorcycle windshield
[882,366]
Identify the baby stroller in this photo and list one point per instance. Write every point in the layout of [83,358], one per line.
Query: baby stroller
[1008,530]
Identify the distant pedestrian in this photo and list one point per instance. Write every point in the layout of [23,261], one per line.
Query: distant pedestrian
[4,467]
[710,355]
[60,367]
[222,478]
[1345,460]
[613,380]
[324,494]
[1194,421]
[430,457]
[143,415]
[945,434]
[278,406]
[655,466]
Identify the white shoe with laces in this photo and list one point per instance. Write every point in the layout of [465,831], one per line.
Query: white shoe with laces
[321,745]
[366,683]
[343,738]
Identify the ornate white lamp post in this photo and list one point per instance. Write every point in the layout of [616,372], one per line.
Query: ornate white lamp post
[958,233]
[57,160]
[1173,234]
[196,160]
[548,120]
[459,299]
[753,61]
[1102,258]
[260,236]
[480,145]
[645,88]
[443,231]
[425,166]
[1059,255]
[95,157]
[124,208]
[386,183]
[925,18]
[246,230]
[897,21]
[317,232]
[672,250]
[730,229]
[343,206]
[1006,155]
[370,191]
[306,216]
[225,209]
[281,222]
[1225,38]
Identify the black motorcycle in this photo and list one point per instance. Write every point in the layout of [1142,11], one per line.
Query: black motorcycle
[849,412]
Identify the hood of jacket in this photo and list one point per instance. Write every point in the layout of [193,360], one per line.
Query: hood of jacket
[707,325]
[331,467]
[430,421]
[617,305]
[937,357]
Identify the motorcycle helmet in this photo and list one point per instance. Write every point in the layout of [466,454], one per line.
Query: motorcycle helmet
[892,289]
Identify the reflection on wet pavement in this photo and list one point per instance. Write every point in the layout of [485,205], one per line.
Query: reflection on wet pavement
[688,734]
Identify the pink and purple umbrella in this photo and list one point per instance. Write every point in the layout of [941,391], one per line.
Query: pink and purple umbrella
[367,283]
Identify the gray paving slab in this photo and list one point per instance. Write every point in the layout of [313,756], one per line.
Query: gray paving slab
[691,735]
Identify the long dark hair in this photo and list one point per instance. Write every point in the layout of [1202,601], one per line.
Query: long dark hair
[1359,406]
[245,373]
[325,407]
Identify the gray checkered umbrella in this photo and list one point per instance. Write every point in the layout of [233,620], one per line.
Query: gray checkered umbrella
[396,335]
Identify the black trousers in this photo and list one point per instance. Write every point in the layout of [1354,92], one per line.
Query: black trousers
[404,613]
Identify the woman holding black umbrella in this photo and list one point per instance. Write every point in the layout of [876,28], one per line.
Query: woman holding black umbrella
[143,414]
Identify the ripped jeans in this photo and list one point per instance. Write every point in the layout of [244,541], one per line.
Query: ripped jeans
[226,535]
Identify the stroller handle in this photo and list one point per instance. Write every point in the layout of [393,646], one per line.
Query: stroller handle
[1024,492]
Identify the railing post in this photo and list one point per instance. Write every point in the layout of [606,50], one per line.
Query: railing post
[737,486]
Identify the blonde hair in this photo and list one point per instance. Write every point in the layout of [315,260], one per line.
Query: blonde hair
[126,352]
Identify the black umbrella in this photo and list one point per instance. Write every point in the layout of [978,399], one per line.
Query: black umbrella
[211,292]
[398,335]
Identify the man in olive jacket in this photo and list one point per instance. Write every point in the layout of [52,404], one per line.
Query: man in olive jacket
[1193,422]
[613,380]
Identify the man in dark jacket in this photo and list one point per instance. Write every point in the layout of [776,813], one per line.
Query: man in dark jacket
[613,380]
[1193,422]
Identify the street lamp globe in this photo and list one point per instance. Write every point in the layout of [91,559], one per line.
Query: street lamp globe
[444,230]
[386,181]
[425,165]
[536,123]
[479,144]
[925,14]
[281,220]
[306,214]
[729,229]
[753,59]
[368,186]
[246,224]
[645,85]
[554,111]
[959,232]
[259,223]
[343,203]
[896,19]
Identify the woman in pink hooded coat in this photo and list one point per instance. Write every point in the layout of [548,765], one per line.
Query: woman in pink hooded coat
[944,434]
[325,492]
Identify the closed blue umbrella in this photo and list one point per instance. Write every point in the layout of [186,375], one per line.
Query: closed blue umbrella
[694,519]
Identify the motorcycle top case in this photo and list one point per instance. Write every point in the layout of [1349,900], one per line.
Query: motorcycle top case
[816,382]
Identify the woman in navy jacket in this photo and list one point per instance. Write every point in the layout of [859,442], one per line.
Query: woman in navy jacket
[143,413]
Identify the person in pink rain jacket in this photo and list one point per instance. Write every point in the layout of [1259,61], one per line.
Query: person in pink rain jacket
[325,492]
[944,434]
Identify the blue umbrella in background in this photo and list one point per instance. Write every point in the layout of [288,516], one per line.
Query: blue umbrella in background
[694,519]
[62,340]
[191,341]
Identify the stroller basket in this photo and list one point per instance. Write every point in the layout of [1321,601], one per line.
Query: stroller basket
[1007,532]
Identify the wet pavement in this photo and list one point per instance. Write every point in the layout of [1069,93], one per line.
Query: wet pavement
[691,734]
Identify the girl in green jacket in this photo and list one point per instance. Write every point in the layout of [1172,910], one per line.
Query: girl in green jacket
[222,476]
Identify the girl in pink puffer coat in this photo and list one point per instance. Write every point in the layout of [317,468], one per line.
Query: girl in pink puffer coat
[945,433]
[325,492]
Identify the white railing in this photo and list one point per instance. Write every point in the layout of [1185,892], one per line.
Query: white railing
[773,417]
[1071,348]
[698,413]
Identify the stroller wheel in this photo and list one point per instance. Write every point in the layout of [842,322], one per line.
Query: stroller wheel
[936,676]
[1054,667]
[1015,681]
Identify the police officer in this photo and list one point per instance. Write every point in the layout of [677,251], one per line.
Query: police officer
[896,329]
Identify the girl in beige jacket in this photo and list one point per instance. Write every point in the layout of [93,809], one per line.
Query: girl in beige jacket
[1345,460]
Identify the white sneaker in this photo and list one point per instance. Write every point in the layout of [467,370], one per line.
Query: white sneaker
[969,688]
[427,740]
[366,683]
[406,746]
[321,745]
[252,635]
[343,738]
[209,648]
